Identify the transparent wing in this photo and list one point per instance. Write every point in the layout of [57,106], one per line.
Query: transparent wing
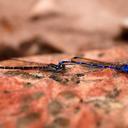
[19,62]
[91,62]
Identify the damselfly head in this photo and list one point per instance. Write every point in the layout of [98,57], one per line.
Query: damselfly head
[54,68]
[60,67]
[50,67]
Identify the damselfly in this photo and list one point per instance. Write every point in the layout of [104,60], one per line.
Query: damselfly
[73,61]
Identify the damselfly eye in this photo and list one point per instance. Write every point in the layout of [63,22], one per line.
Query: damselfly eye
[60,67]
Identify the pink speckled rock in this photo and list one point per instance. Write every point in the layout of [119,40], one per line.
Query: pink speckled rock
[76,98]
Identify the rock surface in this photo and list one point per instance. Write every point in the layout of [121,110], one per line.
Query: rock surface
[76,98]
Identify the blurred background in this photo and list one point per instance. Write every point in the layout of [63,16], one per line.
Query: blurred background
[33,27]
